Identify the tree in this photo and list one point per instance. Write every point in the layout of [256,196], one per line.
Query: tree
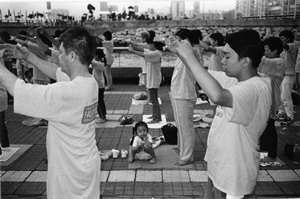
[131,14]
[124,14]
[91,8]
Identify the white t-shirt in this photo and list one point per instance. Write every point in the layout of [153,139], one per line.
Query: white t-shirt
[232,147]
[215,60]
[153,63]
[108,48]
[70,107]
[297,67]
[290,57]
[3,95]
[183,82]
[98,71]
[138,141]
[274,69]
[144,64]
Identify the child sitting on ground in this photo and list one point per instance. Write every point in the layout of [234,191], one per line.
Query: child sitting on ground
[141,143]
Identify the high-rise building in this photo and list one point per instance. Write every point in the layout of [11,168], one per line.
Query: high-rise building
[114,8]
[196,7]
[177,9]
[103,6]
[267,8]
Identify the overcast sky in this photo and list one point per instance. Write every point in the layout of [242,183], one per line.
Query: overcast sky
[77,8]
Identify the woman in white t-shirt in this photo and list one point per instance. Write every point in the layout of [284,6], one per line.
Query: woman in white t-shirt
[183,92]
[108,47]
[98,65]
[3,106]
[152,57]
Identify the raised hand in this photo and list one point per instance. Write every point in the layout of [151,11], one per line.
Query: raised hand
[6,51]
[20,52]
[184,50]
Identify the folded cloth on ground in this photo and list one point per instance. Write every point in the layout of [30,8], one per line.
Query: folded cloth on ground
[140,96]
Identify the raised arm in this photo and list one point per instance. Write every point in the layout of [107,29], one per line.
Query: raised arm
[208,83]
[136,51]
[7,79]
[45,33]
[46,67]
[207,47]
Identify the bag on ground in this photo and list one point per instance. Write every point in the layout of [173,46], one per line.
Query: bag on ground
[170,133]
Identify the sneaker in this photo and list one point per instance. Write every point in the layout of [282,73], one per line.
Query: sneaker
[287,122]
[102,120]
[5,148]
[280,116]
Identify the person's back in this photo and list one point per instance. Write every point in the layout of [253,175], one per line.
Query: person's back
[70,106]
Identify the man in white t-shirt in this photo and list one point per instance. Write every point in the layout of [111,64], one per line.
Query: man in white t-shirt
[70,106]
[244,102]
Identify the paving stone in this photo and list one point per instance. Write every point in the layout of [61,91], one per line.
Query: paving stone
[198,176]
[15,176]
[104,176]
[264,176]
[284,175]
[37,176]
[297,171]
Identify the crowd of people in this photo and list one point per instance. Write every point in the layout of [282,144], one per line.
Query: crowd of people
[249,82]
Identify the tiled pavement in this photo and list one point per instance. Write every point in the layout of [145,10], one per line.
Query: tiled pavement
[25,177]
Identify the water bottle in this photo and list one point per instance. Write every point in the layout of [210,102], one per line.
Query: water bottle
[296,154]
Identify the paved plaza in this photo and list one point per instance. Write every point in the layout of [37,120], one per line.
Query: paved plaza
[25,176]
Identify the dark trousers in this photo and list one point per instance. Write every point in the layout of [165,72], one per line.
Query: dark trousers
[268,140]
[153,93]
[101,105]
[3,131]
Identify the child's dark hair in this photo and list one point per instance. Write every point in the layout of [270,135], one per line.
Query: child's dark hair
[274,43]
[100,54]
[288,34]
[107,35]
[138,124]
[246,43]
[218,37]
[187,34]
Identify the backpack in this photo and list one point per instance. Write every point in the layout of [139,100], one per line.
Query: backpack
[170,133]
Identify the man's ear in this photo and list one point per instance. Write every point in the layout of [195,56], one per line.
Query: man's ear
[246,61]
[72,55]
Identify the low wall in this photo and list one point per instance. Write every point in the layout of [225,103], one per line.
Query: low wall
[98,27]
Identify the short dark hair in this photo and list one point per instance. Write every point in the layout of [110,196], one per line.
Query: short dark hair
[107,35]
[5,36]
[246,43]
[80,41]
[274,43]
[288,34]
[187,34]
[218,37]
[197,33]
